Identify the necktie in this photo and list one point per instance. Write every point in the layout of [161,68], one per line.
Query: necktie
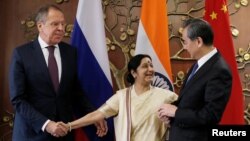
[193,71]
[52,66]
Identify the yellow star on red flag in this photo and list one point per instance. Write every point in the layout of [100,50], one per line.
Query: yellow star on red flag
[224,8]
[213,15]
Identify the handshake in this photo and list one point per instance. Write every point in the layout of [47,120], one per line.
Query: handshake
[60,129]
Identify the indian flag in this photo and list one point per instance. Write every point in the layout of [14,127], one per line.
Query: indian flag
[152,39]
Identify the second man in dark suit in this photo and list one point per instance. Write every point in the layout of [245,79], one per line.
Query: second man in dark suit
[206,90]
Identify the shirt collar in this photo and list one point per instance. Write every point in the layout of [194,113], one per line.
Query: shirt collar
[206,57]
[43,44]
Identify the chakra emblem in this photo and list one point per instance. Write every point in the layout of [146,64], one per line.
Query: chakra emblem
[162,81]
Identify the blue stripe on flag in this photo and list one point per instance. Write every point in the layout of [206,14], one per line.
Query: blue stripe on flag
[91,76]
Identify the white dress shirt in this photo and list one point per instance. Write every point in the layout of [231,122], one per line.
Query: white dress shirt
[57,55]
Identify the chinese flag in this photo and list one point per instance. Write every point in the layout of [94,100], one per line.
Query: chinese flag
[216,13]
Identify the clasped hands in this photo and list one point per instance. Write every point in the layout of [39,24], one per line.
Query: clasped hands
[166,111]
[60,129]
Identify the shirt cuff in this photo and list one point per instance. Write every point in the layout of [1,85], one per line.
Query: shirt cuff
[45,124]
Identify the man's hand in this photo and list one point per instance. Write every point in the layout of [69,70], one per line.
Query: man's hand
[102,128]
[56,129]
[167,110]
[164,119]
[64,125]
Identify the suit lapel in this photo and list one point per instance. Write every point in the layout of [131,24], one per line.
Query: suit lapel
[38,55]
[197,76]
[41,60]
[64,63]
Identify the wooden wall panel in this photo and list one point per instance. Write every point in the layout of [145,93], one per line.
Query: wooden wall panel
[6,29]
[240,21]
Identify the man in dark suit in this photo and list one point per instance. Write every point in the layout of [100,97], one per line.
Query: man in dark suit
[206,90]
[43,91]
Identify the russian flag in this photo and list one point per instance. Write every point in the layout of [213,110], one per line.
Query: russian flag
[93,63]
[152,39]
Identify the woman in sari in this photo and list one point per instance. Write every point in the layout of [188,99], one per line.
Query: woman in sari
[134,108]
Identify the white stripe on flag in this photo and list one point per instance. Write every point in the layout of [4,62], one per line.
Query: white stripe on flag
[93,29]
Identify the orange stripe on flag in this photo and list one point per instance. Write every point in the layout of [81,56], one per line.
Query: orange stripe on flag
[155,22]
[153,38]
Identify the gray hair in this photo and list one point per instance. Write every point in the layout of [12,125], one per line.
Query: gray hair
[43,12]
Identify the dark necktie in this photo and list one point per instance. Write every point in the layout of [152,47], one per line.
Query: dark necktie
[52,66]
[193,71]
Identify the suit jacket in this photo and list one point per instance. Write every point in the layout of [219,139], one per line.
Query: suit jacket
[202,101]
[33,96]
